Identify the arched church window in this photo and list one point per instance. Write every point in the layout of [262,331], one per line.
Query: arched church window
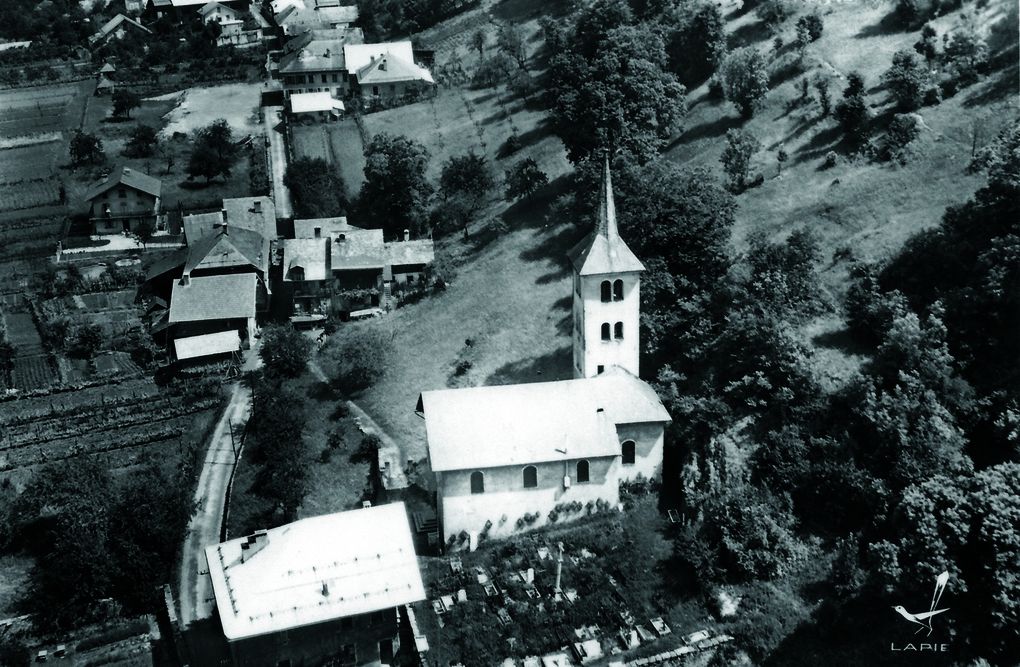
[605,331]
[530,477]
[607,291]
[618,290]
[582,472]
[628,453]
[477,482]
[618,330]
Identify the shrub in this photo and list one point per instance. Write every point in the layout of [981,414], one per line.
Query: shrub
[745,80]
[831,159]
[903,129]
[357,357]
[811,25]
[906,80]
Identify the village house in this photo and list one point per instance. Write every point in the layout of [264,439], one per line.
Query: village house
[324,590]
[178,10]
[334,268]
[256,214]
[385,71]
[212,315]
[297,16]
[123,201]
[116,28]
[217,12]
[514,457]
[231,23]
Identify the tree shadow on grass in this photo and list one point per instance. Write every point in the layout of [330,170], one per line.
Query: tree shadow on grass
[823,141]
[888,25]
[841,340]
[553,247]
[994,88]
[553,365]
[748,34]
[710,130]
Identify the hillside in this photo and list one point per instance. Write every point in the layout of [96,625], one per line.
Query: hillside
[511,294]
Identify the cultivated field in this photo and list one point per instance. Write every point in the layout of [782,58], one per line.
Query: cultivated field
[337,143]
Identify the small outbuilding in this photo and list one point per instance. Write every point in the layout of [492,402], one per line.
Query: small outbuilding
[319,106]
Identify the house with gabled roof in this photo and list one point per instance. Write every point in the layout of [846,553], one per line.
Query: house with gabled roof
[117,28]
[300,16]
[124,199]
[314,62]
[386,71]
[181,9]
[324,590]
[513,457]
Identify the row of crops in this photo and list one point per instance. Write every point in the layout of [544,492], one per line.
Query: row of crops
[117,419]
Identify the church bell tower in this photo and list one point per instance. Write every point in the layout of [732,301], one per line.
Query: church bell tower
[606,296]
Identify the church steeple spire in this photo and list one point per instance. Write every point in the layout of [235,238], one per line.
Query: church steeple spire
[606,223]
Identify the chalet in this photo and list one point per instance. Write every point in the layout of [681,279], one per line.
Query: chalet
[385,71]
[123,201]
[324,590]
[233,33]
[508,458]
[117,28]
[217,12]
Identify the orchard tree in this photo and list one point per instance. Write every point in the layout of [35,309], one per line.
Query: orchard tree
[511,42]
[524,179]
[213,151]
[143,142]
[478,40]
[906,80]
[86,148]
[124,101]
[357,359]
[745,80]
[285,350]
[465,182]
[396,191]
[736,158]
[852,111]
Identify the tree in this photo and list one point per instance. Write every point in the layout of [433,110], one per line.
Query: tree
[608,89]
[213,151]
[358,358]
[524,179]
[927,45]
[745,80]
[822,86]
[86,147]
[852,111]
[143,142]
[906,80]
[510,41]
[478,39]
[783,277]
[695,40]
[736,158]
[316,188]
[465,182]
[773,12]
[124,101]
[966,56]
[72,569]
[811,25]
[145,230]
[285,350]
[396,191]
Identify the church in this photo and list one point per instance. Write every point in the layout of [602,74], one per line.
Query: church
[514,457]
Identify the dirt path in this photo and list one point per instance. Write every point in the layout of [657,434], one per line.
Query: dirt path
[278,157]
[194,591]
[391,456]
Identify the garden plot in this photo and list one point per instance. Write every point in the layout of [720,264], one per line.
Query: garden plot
[237,103]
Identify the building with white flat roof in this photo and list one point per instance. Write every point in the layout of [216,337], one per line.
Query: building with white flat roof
[319,589]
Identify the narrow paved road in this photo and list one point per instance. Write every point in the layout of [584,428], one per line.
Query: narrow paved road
[391,456]
[272,118]
[195,593]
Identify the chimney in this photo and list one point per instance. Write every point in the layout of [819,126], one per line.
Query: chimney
[258,204]
[326,54]
[407,234]
[253,544]
[185,279]
[223,214]
[325,590]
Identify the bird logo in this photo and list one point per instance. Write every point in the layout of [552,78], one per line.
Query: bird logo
[923,619]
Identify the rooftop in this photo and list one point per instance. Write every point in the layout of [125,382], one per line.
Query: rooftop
[489,427]
[360,55]
[229,247]
[309,255]
[314,102]
[315,570]
[389,67]
[205,345]
[255,213]
[400,253]
[318,50]
[358,249]
[129,178]
[213,298]
[115,23]
[305,229]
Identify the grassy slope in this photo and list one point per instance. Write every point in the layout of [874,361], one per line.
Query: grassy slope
[512,295]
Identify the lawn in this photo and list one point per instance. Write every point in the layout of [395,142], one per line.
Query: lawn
[330,140]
